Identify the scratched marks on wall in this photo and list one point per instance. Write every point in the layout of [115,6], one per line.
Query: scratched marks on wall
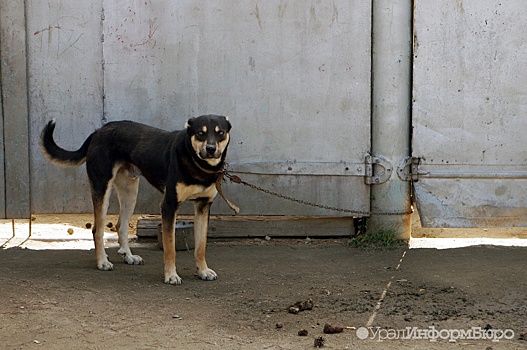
[122,34]
[59,37]
[149,40]
[129,30]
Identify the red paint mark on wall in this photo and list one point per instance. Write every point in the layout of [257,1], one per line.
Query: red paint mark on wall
[46,29]
[149,40]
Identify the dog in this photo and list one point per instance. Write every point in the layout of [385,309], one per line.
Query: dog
[184,165]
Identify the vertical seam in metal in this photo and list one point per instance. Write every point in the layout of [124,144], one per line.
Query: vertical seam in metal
[103,66]
[411,109]
[4,213]
[371,94]
[30,201]
[371,78]
[390,104]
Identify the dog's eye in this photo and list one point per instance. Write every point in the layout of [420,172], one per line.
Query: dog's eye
[201,133]
[221,133]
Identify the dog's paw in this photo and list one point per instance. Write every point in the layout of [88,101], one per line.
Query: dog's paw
[105,266]
[133,260]
[207,275]
[129,258]
[173,279]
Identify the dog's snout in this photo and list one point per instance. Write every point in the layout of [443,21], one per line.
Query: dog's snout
[210,149]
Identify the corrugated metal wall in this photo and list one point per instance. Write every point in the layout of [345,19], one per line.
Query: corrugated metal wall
[14,154]
[294,77]
[470,112]
[66,82]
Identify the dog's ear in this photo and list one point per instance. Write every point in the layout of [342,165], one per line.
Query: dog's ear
[228,123]
[188,125]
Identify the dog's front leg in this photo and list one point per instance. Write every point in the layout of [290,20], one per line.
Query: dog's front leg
[168,223]
[201,226]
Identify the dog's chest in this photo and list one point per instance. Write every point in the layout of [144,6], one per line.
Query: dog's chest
[189,192]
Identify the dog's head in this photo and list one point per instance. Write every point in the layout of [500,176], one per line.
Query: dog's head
[209,136]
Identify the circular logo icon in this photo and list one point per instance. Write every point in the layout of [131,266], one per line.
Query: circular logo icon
[362,333]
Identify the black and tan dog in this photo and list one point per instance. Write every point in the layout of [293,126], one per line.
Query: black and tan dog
[184,165]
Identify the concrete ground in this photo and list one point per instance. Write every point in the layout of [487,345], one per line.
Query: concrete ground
[53,297]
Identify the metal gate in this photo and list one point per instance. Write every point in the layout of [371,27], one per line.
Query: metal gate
[294,77]
[470,112]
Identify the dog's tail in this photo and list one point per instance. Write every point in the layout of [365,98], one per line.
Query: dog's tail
[58,155]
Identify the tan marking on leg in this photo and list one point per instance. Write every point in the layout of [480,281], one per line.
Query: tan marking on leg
[126,186]
[201,226]
[169,250]
[100,209]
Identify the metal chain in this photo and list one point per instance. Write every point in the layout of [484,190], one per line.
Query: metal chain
[237,180]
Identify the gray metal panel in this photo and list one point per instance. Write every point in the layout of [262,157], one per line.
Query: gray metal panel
[65,83]
[15,171]
[469,112]
[2,157]
[391,111]
[2,152]
[294,77]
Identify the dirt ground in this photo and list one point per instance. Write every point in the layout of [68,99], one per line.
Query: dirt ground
[57,299]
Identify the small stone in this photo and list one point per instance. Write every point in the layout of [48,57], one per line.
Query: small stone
[303,333]
[294,310]
[301,306]
[331,329]
[70,231]
[319,342]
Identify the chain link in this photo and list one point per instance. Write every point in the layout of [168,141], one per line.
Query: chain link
[237,180]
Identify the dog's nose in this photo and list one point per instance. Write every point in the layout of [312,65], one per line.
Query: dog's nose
[210,149]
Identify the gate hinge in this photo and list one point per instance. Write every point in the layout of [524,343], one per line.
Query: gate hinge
[383,170]
[408,169]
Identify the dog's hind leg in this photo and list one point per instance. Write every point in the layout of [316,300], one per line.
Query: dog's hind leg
[126,184]
[101,191]
[201,226]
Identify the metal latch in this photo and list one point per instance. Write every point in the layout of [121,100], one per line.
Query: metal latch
[408,169]
[383,170]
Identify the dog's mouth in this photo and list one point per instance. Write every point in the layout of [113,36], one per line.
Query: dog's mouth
[211,154]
